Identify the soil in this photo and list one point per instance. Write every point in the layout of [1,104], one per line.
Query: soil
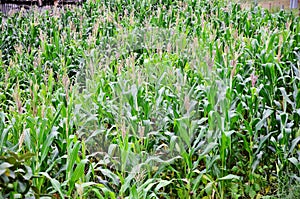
[273,4]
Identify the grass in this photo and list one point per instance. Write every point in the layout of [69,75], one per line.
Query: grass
[143,99]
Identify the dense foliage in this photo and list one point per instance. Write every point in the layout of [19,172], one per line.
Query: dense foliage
[211,109]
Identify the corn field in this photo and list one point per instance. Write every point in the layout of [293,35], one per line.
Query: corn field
[150,99]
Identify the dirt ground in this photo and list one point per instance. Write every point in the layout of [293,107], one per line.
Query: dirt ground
[272,4]
[275,4]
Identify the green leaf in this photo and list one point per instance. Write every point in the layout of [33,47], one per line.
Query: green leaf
[109,174]
[126,184]
[162,183]
[26,156]
[294,143]
[97,193]
[208,148]
[28,174]
[72,157]
[88,184]
[266,114]
[230,177]
[5,166]
[285,97]
[79,172]
[294,161]
[133,192]
[54,182]
[46,146]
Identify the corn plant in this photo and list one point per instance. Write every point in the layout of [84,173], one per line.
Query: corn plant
[150,99]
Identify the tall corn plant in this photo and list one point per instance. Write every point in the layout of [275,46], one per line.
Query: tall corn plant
[190,99]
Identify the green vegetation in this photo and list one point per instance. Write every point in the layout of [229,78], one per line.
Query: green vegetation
[142,99]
